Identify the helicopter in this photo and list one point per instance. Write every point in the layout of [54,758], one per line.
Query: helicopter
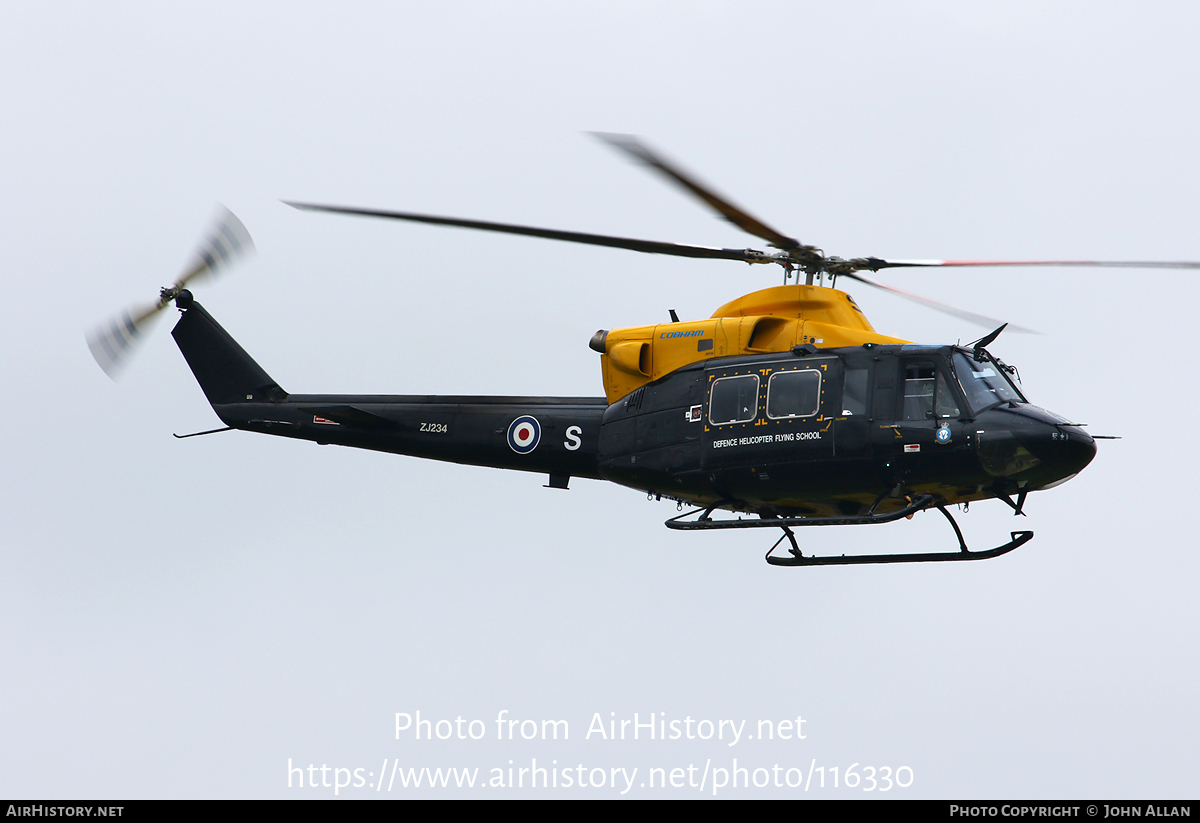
[784,408]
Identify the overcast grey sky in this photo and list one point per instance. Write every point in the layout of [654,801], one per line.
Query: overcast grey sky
[182,617]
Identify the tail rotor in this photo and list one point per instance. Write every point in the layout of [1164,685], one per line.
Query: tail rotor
[113,343]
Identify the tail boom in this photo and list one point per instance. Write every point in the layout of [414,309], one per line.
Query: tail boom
[558,436]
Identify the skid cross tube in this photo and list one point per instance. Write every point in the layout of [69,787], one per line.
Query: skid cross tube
[677,522]
[796,558]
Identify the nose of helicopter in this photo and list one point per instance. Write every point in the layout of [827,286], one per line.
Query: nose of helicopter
[1033,445]
[1070,452]
[1064,450]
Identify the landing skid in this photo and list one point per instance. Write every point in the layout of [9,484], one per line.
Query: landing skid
[797,558]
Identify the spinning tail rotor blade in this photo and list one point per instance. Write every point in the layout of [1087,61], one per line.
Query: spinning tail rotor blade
[735,215]
[113,343]
[962,314]
[225,242]
[648,246]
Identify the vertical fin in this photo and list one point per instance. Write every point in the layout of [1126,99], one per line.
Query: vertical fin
[224,370]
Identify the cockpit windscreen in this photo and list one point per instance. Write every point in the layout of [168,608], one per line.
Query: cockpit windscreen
[985,384]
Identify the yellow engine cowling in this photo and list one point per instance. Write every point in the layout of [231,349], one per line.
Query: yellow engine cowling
[770,320]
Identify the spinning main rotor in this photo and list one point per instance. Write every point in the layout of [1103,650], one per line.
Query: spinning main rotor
[113,342]
[790,253]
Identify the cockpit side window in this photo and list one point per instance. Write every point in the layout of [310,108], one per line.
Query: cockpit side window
[919,381]
[945,403]
[927,394]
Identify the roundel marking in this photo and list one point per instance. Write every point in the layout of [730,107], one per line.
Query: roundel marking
[524,434]
[943,434]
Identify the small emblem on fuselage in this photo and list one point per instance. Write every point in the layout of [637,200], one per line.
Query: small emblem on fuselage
[943,434]
[524,434]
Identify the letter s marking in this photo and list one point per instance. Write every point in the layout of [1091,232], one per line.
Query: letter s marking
[573,442]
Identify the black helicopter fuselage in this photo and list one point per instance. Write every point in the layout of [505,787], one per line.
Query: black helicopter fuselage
[829,432]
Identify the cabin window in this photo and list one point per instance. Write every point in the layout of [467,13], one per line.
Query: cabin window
[733,400]
[854,394]
[793,394]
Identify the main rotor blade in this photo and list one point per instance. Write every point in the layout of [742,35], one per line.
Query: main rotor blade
[877,264]
[648,246]
[972,317]
[735,215]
